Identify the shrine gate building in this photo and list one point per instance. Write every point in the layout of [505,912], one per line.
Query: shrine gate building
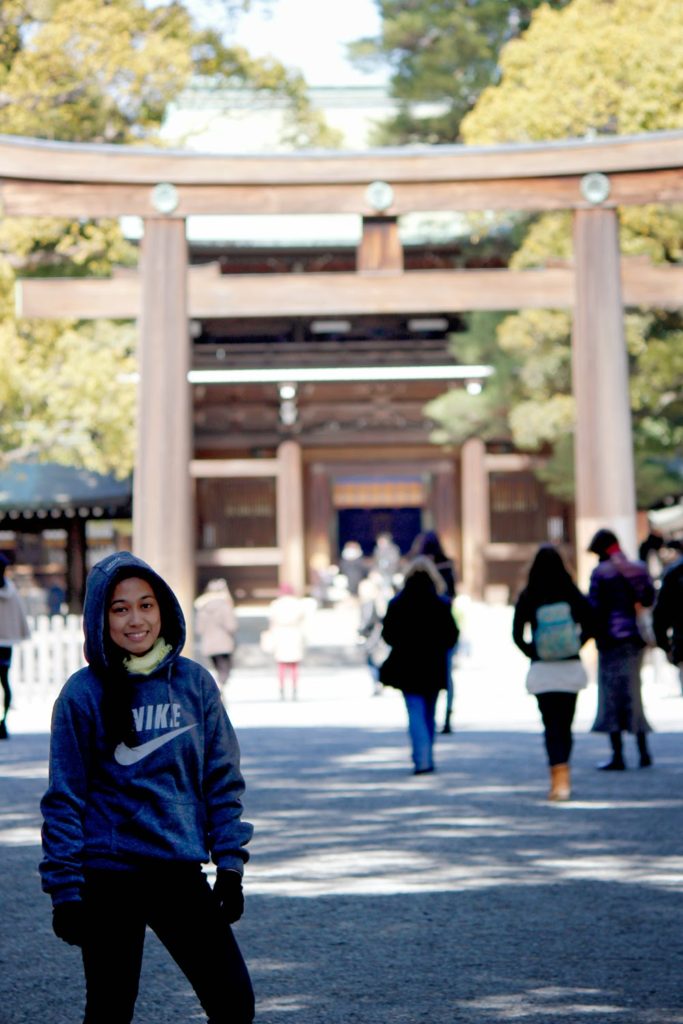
[276,401]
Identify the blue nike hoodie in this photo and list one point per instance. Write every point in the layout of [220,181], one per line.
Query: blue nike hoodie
[162,785]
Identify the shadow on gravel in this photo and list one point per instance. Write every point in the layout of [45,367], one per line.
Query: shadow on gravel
[380,898]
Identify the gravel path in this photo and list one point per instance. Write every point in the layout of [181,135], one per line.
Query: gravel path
[378,897]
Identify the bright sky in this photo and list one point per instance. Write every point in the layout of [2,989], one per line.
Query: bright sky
[310,35]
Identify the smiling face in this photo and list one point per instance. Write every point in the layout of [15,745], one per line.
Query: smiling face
[134,617]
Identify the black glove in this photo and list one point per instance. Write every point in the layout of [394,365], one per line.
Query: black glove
[228,891]
[68,922]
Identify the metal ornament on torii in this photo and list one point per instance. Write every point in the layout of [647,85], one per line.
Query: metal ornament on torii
[589,177]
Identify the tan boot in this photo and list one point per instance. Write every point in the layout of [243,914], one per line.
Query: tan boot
[560,782]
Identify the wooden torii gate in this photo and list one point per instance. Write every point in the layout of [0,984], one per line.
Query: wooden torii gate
[589,177]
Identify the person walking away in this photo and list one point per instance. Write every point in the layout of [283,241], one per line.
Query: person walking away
[667,616]
[144,786]
[420,629]
[287,617]
[386,557]
[552,621]
[618,588]
[428,544]
[14,628]
[216,626]
[352,565]
[374,595]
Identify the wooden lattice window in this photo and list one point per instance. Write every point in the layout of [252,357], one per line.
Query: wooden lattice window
[236,513]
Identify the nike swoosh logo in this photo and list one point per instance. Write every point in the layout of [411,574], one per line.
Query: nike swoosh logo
[131,755]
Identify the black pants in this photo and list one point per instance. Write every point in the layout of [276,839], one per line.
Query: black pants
[223,665]
[5,661]
[557,711]
[177,903]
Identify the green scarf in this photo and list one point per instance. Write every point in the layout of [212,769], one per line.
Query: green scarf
[146,663]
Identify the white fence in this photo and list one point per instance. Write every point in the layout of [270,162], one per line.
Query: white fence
[41,665]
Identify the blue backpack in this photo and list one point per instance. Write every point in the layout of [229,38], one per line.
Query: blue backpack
[556,635]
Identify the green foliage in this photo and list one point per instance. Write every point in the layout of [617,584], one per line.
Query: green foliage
[558,472]
[547,238]
[87,71]
[443,54]
[596,66]
[45,247]
[460,415]
[493,72]
[655,475]
[82,418]
[657,386]
[83,70]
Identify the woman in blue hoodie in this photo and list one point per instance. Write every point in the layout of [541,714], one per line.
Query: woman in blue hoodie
[144,787]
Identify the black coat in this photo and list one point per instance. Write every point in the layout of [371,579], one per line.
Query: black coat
[420,629]
[447,572]
[667,617]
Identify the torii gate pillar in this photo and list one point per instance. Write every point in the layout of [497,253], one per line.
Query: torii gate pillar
[603,456]
[290,516]
[162,489]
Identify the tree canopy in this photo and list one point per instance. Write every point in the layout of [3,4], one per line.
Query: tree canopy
[87,71]
[584,68]
[629,81]
[442,55]
[82,70]
[596,66]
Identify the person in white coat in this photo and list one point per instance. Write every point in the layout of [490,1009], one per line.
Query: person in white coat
[287,616]
[216,626]
[13,629]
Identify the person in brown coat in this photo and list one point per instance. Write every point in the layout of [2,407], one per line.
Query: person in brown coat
[216,626]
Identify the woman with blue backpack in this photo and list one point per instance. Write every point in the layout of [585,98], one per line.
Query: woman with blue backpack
[552,621]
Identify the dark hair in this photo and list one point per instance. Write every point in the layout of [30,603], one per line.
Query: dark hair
[602,541]
[422,573]
[428,543]
[548,575]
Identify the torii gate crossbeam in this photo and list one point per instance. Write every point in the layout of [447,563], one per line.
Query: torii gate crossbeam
[60,179]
